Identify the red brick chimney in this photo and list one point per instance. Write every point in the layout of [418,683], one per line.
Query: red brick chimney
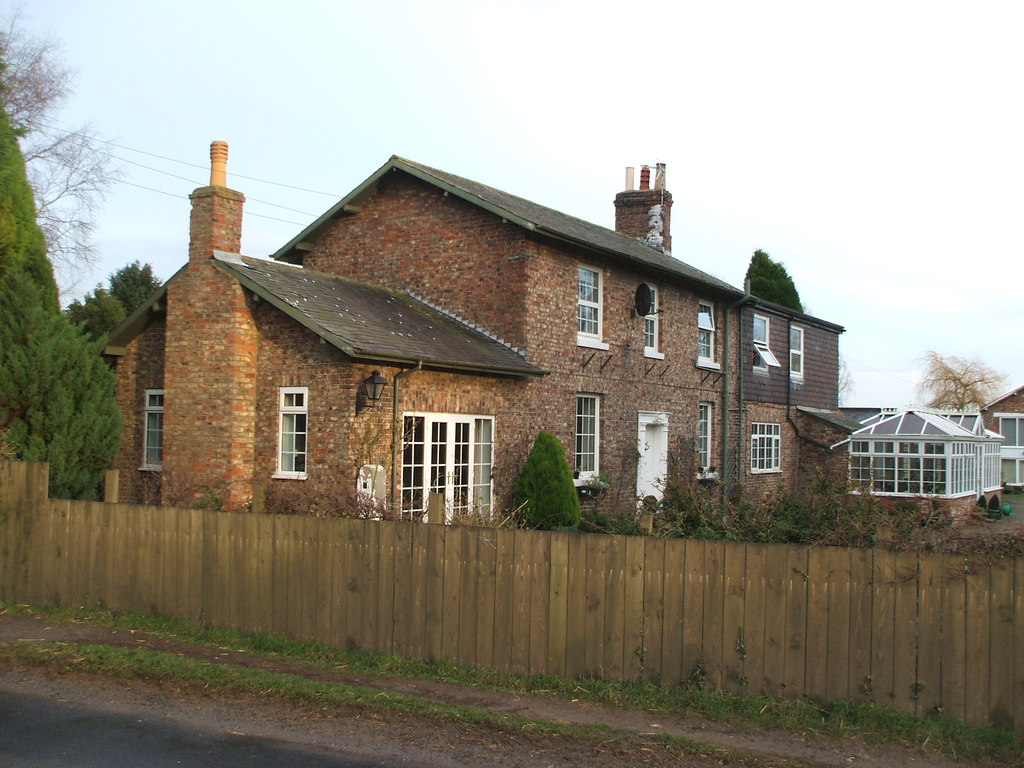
[646,213]
[210,357]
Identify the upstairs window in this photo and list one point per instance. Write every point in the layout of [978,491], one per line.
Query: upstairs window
[1012,430]
[705,333]
[651,329]
[763,357]
[589,308]
[292,433]
[153,440]
[796,352]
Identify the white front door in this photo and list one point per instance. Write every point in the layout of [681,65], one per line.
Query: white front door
[652,445]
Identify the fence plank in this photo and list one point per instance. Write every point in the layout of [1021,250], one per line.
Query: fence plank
[929,643]
[634,628]
[521,602]
[1018,645]
[469,603]
[404,592]
[386,580]
[558,608]
[452,594]
[734,631]
[487,578]
[882,628]
[539,556]
[691,656]
[954,636]
[434,612]
[776,606]
[577,609]
[837,668]
[979,619]
[653,572]
[672,671]
[614,607]
[593,649]
[714,641]
[796,621]
[754,613]
[861,575]
[503,598]
[417,585]
[905,683]
[818,587]
[1001,686]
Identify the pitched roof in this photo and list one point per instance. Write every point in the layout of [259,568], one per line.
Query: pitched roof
[530,216]
[1007,396]
[369,322]
[835,419]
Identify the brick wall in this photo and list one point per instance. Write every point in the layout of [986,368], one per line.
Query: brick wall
[210,365]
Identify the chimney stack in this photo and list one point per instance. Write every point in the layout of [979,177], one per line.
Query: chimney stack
[216,223]
[645,213]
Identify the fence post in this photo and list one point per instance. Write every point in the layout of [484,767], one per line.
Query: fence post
[112,486]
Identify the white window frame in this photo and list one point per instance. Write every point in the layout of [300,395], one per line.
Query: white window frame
[652,329]
[593,339]
[704,427]
[1018,439]
[762,347]
[155,410]
[587,457]
[288,412]
[706,334]
[796,353]
[765,447]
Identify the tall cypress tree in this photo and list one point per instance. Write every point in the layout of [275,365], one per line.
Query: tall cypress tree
[56,394]
[769,280]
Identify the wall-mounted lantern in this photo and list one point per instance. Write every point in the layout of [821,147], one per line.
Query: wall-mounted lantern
[370,391]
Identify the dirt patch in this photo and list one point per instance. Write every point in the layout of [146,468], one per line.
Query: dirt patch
[501,749]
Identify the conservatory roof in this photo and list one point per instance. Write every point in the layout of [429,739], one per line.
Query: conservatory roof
[925,424]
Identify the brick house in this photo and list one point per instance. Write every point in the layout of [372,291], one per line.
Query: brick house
[1005,415]
[477,318]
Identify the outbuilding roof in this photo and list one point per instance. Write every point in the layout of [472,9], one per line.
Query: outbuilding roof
[373,323]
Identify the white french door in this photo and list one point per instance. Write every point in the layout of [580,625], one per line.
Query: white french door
[450,456]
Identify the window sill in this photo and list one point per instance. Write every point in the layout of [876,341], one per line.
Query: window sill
[777,471]
[591,343]
[711,365]
[760,371]
[151,468]
[796,379]
[653,354]
[289,476]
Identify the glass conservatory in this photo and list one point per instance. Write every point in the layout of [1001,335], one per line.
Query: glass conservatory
[921,453]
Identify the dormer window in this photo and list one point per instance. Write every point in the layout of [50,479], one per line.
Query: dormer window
[763,354]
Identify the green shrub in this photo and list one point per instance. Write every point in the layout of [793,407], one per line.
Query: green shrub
[544,492]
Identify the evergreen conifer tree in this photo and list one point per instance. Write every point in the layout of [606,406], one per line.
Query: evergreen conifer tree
[769,280]
[544,491]
[56,394]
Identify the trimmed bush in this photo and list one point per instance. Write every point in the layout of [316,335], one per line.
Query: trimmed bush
[544,493]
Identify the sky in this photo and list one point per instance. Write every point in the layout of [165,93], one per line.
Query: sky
[874,148]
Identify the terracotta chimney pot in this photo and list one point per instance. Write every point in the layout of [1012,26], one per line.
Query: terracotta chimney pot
[219,164]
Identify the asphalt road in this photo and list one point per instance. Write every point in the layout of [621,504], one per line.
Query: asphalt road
[47,732]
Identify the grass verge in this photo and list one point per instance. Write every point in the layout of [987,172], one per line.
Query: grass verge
[950,736]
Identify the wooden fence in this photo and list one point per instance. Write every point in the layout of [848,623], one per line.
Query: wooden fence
[928,634]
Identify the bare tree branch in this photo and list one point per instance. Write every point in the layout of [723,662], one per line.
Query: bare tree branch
[958,383]
[69,171]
